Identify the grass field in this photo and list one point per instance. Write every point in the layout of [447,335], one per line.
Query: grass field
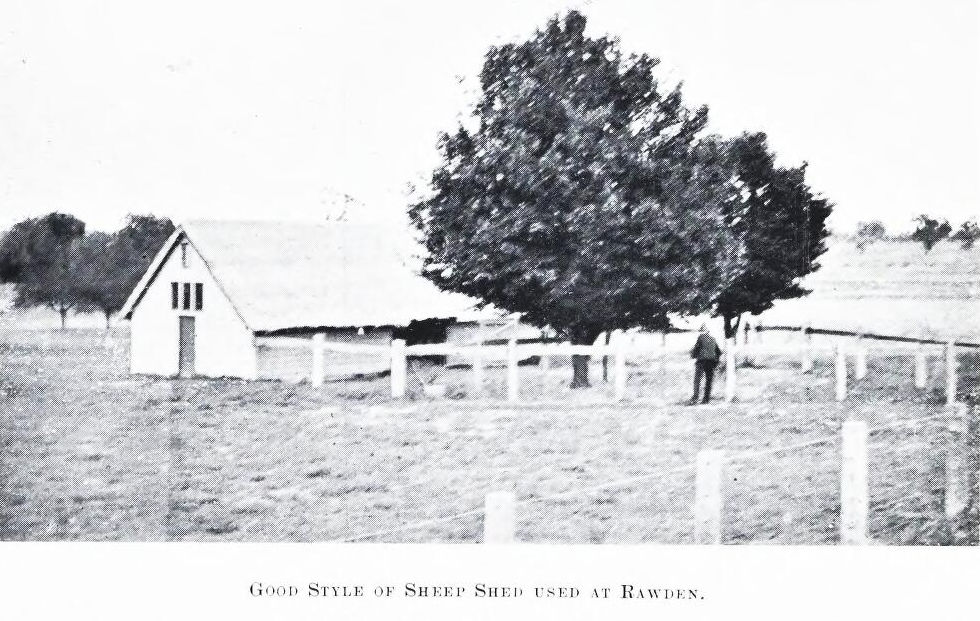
[89,453]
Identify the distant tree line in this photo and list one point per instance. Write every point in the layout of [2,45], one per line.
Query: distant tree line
[53,262]
[928,231]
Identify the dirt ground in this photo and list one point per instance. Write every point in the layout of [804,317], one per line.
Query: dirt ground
[89,453]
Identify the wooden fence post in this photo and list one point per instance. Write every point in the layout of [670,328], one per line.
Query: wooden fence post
[806,356]
[707,499]
[972,478]
[951,373]
[316,369]
[399,368]
[954,451]
[840,374]
[955,494]
[740,337]
[513,379]
[619,366]
[860,358]
[921,371]
[730,371]
[854,484]
[499,518]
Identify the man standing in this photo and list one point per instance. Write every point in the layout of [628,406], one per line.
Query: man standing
[706,354]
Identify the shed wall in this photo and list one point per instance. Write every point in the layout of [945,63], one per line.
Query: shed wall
[224,346]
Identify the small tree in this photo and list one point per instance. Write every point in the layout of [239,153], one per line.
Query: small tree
[41,256]
[113,264]
[780,224]
[100,274]
[578,198]
[930,231]
[869,232]
[967,234]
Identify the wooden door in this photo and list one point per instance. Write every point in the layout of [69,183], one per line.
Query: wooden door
[186,347]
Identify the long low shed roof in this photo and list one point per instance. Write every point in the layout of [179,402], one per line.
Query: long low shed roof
[288,275]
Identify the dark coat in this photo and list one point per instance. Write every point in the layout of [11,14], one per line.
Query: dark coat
[706,348]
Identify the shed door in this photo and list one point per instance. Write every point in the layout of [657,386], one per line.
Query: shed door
[186,351]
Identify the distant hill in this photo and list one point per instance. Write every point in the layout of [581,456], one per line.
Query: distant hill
[890,287]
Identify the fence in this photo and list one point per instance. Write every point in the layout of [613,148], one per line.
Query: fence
[499,510]
[621,349]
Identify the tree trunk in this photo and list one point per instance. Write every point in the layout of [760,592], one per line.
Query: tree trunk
[731,325]
[580,362]
[605,362]
[580,371]
[64,313]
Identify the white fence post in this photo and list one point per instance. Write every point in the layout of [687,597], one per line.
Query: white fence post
[806,356]
[707,499]
[399,368]
[854,484]
[619,366]
[499,518]
[860,358]
[951,373]
[955,495]
[730,371]
[921,370]
[740,335]
[513,379]
[840,374]
[316,369]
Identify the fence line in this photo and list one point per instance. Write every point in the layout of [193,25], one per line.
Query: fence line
[854,435]
[737,348]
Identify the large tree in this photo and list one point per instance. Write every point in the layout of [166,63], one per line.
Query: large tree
[780,224]
[576,196]
[41,256]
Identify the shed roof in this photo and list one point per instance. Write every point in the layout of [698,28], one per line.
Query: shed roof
[288,275]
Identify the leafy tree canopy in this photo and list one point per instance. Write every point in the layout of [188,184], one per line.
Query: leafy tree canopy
[780,225]
[967,234]
[578,199]
[113,264]
[41,255]
[930,231]
[54,263]
[867,233]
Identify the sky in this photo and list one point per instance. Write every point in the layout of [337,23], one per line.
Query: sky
[278,110]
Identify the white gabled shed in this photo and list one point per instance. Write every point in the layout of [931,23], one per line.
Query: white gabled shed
[218,289]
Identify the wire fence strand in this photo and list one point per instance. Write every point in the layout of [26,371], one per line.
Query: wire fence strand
[627,481]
